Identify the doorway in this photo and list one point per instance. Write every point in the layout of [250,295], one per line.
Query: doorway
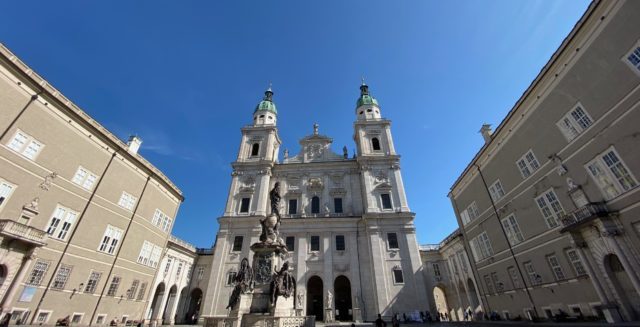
[314,298]
[342,287]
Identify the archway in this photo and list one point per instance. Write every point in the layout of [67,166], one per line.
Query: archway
[194,306]
[475,302]
[168,308]
[183,306]
[314,297]
[342,288]
[622,285]
[440,299]
[157,302]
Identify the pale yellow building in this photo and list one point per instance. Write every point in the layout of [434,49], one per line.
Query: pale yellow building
[549,206]
[84,219]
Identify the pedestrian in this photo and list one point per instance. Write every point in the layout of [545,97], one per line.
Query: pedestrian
[380,322]
[394,321]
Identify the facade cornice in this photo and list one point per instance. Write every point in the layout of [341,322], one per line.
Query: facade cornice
[381,121]
[45,90]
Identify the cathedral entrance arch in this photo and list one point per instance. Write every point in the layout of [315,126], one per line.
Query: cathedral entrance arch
[440,298]
[342,288]
[3,274]
[314,298]
[156,304]
[622,285]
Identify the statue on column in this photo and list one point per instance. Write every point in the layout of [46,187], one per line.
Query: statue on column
[243,282]
[282,284]
[271,223]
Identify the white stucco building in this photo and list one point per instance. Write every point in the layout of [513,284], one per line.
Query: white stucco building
[346,221]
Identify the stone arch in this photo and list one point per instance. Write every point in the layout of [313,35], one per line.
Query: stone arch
[622,285]
[168,307]
[255,149]
[195,300]
[375,144]
[473,295]
[156,303]
[440,299]
[342,289]
[183,306]
[315,291]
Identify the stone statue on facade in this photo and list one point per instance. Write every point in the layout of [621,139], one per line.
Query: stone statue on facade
[243,282]
[300,299]
[282,284]
[329,299]
[315,128]
[345,152]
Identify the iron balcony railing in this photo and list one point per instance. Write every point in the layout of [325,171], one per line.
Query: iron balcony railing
[13,229]
[585,213]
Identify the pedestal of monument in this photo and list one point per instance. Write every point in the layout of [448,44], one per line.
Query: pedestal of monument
[255,308]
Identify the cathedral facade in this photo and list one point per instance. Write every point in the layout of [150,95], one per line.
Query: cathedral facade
[345,220]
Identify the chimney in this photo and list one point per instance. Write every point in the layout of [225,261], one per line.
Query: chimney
[486,132]
[134,144]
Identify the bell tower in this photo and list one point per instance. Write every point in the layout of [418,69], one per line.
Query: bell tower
[257,154]
[376,154]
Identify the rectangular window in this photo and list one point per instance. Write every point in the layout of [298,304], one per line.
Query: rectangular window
[143,289]
[92,283]
[386,201]
[244,205]
[100,319]
[398,278]
[392,240]
[463,261]
[110,240]
[127,201]
[61,277]
[481,246]
[43,316]
[61,222]
[574,258]
[550,208]
[315,243]
[472,211]
[25,145]
[340,245]
[293,206]
[167,267]
[496,282]
[290,242]
[574,122]
[161,220]
[489,284]
[528,164]
[510,225]
[231,276]
[555,267]
[84,178]
[149,254]
[534,278]
[337,205]
[5,191]
[611,174]
[496,190]
[200,273]
[237,243]
[131,292]
[113,287]
[179,270]
[37,273]
[436,270]
[77,318]
[515,279]
[633,58]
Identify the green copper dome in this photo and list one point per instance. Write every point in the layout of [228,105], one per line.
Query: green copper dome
[267,103]
[365,98]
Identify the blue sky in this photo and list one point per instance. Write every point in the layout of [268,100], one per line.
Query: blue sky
[186,75]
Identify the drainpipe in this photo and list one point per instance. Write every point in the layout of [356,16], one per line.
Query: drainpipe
[504,233]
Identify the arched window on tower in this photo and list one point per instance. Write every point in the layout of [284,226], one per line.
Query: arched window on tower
[375,144]
[255,149]
[315,204]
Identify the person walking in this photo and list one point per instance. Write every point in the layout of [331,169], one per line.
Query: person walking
[380,322]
